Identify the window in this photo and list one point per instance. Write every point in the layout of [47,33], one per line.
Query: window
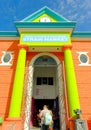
[44,81]
[50,81]
[83,58]
[38,81]
[6,57]
[45,19]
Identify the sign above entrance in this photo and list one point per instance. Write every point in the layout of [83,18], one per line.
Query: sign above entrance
[45,38]
[50,39]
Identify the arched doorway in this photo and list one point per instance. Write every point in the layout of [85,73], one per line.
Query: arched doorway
[45,87]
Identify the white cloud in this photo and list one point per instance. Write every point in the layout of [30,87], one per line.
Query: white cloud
[70,1]
[77,10]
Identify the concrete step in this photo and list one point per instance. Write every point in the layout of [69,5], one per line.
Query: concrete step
[35,128]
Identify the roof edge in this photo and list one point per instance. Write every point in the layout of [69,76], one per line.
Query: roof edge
[81,34]
[9,33]
[45,24]
[16,34]
[47,10]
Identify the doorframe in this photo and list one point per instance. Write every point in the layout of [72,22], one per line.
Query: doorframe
[28,122]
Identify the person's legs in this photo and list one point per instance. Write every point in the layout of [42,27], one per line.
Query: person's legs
[46,127]
[43,127]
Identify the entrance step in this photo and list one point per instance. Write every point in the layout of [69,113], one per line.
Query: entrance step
[35,128]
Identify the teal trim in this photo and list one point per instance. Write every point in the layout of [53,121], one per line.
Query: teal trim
[30,18]
[47,11]
[81,34]
[45,25]
[14,34]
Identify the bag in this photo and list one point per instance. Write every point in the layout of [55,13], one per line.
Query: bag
[48,119]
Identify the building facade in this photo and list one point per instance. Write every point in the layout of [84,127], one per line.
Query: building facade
[45,62]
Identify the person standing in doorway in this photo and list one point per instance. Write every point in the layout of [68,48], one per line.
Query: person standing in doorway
[51,123]
[43,114]
[38,118]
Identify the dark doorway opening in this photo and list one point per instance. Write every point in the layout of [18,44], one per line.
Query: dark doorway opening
[53,106]
[39,103]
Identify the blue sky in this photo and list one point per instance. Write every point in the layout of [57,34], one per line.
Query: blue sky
[73,10]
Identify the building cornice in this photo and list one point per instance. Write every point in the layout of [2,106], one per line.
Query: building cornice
[45,24]
[9,33]
[76,36]
[81,36]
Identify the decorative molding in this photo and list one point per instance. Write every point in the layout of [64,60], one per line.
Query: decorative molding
[23,46]
[81,63]
[6,63]
[65,47]
[29,99]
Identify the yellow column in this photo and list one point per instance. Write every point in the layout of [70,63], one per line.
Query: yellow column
[16,98]
[73,98]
